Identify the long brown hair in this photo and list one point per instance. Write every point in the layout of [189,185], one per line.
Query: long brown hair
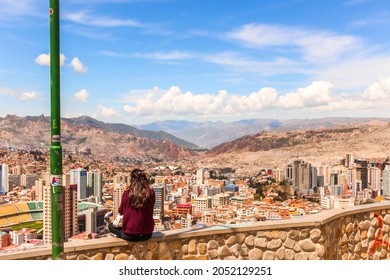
[139,190]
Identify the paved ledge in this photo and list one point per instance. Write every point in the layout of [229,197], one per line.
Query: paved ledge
[107,243]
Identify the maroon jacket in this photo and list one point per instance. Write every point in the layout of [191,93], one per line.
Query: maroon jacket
[137,221]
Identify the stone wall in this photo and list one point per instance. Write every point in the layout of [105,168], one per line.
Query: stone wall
[356,233]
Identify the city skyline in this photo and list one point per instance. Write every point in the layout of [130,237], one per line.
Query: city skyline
[199,199]
[138,61]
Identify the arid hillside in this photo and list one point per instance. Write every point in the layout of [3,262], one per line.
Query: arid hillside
[320,146]
[91,138]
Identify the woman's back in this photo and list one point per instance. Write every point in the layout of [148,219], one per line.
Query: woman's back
[137,209]
[137,220]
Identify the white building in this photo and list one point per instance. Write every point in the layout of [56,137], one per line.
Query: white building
[187,221]
[374,176]
[386,181]
[342,203]
[220,200]
[117,198]
[200,177]
[4,183]
[326,202]
[22,236]
[202,204]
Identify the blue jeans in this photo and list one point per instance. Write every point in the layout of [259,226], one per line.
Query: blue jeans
[129,237]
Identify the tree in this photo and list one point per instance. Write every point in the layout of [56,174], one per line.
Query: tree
[213,174]
[259,189]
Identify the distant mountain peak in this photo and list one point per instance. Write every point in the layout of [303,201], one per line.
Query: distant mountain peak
[103,139]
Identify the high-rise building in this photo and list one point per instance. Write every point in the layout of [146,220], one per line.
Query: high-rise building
[334,179]
[4,182]
[200,176]
[304,172]
[91,219]
[13,181]
[295,173]
[320,181]
[288,172]
[28,180]
[39,184]
[374,177]
[79,177]
[69,210]
[303,176]
[350,177]
[47,220]
[386,181]
[350,160]
[117,198]
[362,172]
[158,211]
[94,184]
[325,170]
[313,177]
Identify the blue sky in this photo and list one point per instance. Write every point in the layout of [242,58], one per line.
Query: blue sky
[138,61]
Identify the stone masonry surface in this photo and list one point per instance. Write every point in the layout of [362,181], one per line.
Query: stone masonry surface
[357,233]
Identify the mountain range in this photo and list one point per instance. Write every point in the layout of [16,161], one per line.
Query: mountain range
[321,146]
[102,140]
[254,142]
[211,134]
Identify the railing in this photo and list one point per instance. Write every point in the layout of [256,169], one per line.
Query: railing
[360,232]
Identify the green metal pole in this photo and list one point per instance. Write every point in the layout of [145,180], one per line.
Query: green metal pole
[55,147]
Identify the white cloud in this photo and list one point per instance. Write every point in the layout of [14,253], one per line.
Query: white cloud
[172,55]
[240,63]
[112,54]
[175,102]
[318,96]
[28,95]
[379,91]
[77,65]
[235,61]
[44,59]
[13,10]
[357,72]
[107,112]
[22,95]
[86,18]
[81,96]
[315,45]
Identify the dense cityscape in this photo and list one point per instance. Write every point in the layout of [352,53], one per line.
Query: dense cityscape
[187,196]
[194,130]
